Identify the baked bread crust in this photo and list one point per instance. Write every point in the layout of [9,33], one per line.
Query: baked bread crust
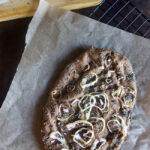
[90,104]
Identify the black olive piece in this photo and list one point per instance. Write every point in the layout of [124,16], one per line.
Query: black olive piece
[56,94]
[126,113]
[69,66]
[119,76]
[129,97]
[108,58]
[130,77]
[93,113]
[111,87]
[75,116]
[96,88]
[104,72]
[72,82]
[92,63]
[110,137]
[77,91]
[112,67]
[90,90]
[112,53]
[93,78]
[70,88]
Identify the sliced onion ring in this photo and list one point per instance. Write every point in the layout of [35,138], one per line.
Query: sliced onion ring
[69,114]
[75,101]
[108,81]
[87,113]
[123,125]
[92,102]
[120,122]
[108,61]
[109,73]
[84,83]
[106,101]
[118,93]
[80,141]
[79,123]
[100,100]
[87,67]
[89,104]
[110,121]
[87,107]
[128,99]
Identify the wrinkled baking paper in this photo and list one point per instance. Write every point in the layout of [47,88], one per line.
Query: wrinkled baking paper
[54,38]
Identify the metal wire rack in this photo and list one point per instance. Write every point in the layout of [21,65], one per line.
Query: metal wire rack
[121,14]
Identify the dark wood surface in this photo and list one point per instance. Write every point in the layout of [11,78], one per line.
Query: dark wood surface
[12,41]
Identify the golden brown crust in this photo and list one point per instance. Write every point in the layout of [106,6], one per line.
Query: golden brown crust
[91,103]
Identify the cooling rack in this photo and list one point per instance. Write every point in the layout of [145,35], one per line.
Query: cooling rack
[122,14]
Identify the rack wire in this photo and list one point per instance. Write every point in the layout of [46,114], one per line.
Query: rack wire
[122,14]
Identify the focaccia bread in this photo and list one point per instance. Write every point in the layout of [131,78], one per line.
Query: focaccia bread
[91,103]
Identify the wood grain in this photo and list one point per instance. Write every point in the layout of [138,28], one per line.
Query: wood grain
[24,8]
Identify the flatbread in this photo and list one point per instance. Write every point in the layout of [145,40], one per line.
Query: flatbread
[91,103]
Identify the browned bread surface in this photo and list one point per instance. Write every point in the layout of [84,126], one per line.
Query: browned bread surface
[90,104]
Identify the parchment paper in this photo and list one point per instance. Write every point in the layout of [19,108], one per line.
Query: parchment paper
[54,38]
